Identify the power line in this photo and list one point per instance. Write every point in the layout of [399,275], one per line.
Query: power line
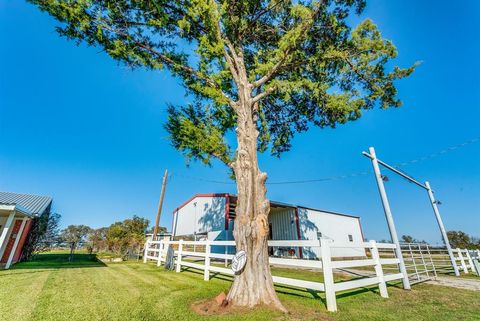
[441,152]
[339,177]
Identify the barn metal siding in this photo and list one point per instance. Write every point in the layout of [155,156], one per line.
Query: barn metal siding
[201,215]
[284,227]
[283,224]
[332,226]
[205,214]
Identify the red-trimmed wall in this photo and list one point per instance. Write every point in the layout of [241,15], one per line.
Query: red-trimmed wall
[26,230]
[11,241]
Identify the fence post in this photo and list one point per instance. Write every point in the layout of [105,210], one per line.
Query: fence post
[462,261]
[179,255]
[145,251]
[378,269]
[328,275]
[206,272]
[160,249]
[470,261]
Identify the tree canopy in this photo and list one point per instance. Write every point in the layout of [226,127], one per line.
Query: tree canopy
[301,61]
[126,234]
[460,239]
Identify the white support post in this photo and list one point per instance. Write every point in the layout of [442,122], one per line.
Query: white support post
[179,256]
[378,269]
[462,261]
[5,231]
[389,217]
[442,227]
[145,253]
[15,244]
[470,261]
[160,253]
[206,272]
[328,275]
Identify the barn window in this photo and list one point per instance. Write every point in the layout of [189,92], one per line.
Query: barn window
[319,235]
[350,237]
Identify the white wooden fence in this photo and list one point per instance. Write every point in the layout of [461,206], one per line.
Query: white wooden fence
[157,250]
[464,257]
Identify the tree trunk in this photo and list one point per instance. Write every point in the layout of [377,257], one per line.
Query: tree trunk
[254,284]
[72,250]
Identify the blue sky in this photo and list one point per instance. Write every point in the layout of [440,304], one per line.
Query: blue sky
[77,126]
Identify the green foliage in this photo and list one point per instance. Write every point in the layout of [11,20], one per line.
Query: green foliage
[411,239]
[460,239]
[301,61]
[126,234]
[97,239]
[74,235]
[42,236]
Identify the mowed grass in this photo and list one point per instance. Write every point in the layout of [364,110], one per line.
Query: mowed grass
[51,288]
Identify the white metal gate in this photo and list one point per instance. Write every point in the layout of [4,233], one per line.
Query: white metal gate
[419,262]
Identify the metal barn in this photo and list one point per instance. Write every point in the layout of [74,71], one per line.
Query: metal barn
[212,216]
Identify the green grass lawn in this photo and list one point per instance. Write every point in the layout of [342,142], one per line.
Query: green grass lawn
[51,288]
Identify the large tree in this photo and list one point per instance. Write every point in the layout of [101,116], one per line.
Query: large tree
[261,69]
[74,235]
[128,234]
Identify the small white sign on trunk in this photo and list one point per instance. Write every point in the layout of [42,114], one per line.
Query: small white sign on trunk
[238,262]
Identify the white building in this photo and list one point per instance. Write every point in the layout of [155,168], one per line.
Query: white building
[211,216]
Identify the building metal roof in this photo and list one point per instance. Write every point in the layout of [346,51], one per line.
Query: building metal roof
[34,204]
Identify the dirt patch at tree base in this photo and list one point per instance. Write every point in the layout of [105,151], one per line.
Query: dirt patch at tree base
[212,308]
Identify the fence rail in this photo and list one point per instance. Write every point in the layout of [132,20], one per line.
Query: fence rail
[464,257]
[184,250]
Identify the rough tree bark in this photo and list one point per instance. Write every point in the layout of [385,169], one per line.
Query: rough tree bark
[254,284]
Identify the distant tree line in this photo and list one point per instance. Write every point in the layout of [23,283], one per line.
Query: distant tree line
[457,239]
[463,241]
[120,238]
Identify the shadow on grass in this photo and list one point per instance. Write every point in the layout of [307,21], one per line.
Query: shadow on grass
[60,261]
[307,293]
[284,289]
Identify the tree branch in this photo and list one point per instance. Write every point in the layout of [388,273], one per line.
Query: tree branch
[279,64]
[263,94]
[270,73]
[169,61]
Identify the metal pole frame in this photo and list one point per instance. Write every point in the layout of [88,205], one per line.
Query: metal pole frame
[389,217]
[442,228]
[425,186]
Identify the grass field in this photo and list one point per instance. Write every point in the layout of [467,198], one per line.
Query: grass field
[51,288]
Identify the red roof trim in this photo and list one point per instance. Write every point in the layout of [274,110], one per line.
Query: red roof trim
[227,211]
[200,195]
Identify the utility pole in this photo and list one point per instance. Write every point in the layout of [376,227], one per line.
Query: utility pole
[160,204]
[389,217]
